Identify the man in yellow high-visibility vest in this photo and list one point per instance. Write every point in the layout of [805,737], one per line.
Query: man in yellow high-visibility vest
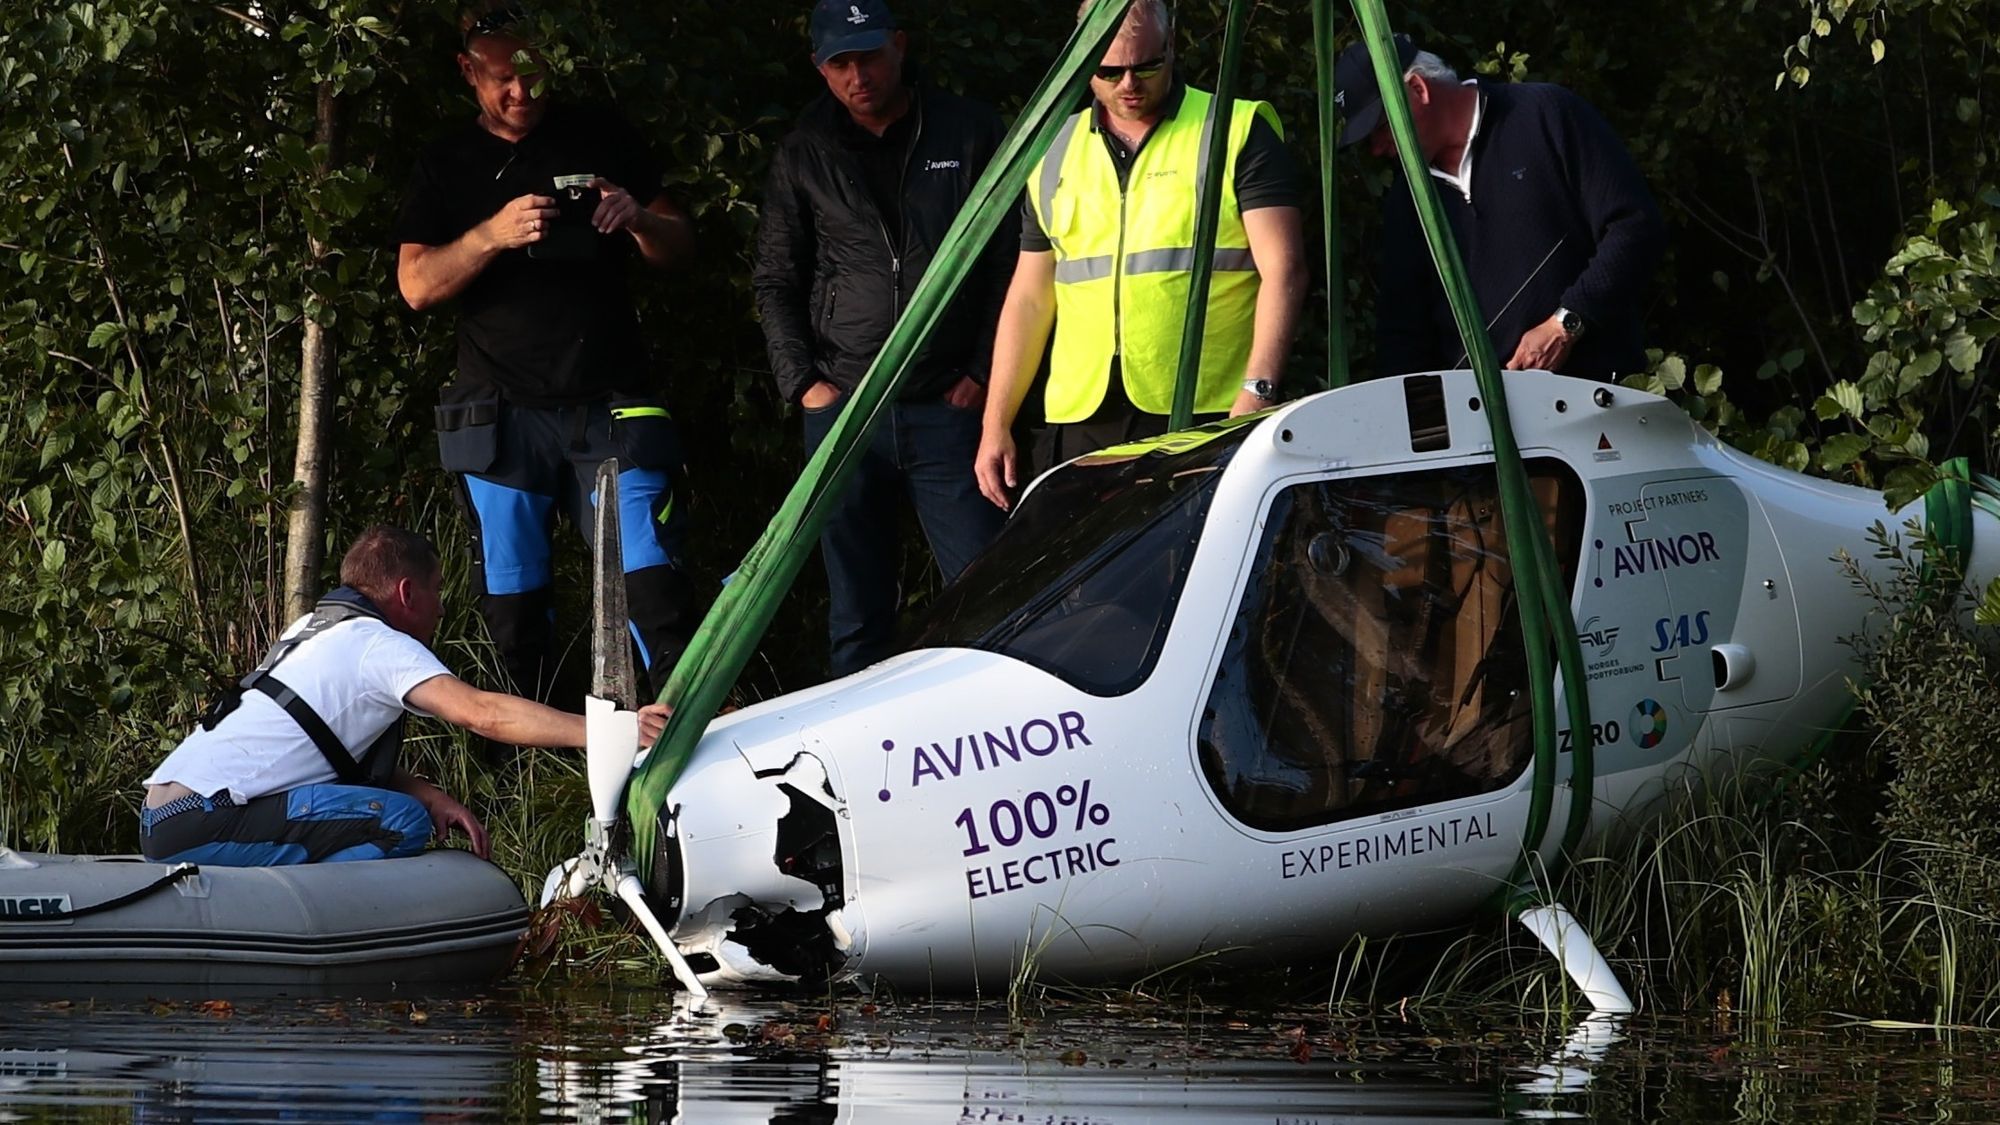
[1107,255]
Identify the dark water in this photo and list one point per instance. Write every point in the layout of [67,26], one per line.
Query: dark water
[612,1054]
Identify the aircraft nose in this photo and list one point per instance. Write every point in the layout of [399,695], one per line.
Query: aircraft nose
[751,869]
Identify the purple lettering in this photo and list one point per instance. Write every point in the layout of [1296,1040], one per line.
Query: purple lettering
[1072,728]
[1028,737]
[972,883]
[995,747]
[921,764]
[954,761]
[1103,855]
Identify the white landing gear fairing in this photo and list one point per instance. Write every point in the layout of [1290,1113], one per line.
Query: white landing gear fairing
[1251,690]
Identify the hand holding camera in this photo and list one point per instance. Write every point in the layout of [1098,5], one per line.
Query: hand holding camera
[524,220]
[616,209]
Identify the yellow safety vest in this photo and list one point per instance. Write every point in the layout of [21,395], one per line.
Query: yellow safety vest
[1124,262]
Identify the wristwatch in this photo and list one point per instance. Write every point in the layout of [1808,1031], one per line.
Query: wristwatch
[1262,388]
[1572,324]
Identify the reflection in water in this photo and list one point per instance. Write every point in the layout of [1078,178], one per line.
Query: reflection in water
[1570,1068]
[604,1055]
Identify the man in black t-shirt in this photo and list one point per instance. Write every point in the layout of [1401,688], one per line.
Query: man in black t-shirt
[528,217]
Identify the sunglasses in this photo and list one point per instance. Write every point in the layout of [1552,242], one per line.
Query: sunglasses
[1142,71]
[498,21]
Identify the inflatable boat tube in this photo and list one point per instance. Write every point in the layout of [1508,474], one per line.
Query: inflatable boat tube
[445,917]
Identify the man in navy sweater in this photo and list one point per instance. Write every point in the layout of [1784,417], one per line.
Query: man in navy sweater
[1553,218]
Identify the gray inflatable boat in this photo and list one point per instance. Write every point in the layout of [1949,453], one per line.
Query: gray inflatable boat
[445,917]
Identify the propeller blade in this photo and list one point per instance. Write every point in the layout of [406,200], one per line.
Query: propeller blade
[613,675]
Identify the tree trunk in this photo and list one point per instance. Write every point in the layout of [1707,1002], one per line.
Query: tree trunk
[318,365]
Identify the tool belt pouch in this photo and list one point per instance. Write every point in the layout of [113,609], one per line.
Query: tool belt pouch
[644,435]
[468,427]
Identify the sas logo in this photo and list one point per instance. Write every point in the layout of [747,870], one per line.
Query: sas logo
[1591,634]
[939,165]
[1649,724]
[1680,632]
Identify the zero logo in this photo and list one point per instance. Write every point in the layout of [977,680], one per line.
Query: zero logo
[1649,724]
[1601,734]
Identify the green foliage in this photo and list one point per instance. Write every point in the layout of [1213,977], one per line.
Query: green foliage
[1931,684]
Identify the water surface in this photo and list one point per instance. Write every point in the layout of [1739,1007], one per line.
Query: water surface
[605,1053]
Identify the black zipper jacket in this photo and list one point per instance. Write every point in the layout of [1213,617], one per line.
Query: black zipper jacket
[831,277]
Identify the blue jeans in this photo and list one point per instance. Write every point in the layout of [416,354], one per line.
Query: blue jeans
[310,824]
[924,450]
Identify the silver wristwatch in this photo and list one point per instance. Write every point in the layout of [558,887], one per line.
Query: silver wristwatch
[1262,388]
[1572,324]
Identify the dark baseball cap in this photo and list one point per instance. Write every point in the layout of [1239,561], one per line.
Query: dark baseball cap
[840,26]
[1356,92]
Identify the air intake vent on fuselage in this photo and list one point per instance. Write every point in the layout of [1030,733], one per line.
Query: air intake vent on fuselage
[1423,398]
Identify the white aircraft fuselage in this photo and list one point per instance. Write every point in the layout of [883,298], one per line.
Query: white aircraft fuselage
[1262,688]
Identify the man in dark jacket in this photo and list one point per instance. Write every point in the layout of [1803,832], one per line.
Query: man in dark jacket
[860,196]
[1552,216]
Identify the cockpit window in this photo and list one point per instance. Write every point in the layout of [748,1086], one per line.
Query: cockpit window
[1083,580]
[1376,662]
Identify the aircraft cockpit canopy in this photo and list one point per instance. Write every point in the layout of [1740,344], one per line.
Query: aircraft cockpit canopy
[1084,578]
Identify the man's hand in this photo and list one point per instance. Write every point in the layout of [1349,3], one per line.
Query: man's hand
[448,815]
[652,720]
[1545,347]
[1247,403]
[820,395]
[616,209]
[993,465]
[966,394]
[522,221]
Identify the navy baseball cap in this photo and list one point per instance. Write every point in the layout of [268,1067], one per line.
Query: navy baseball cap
[1356,92]
[840,26]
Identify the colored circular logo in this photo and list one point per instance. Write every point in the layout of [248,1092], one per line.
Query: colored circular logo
[1649,724]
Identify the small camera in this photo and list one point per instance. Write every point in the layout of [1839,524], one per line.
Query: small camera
[570,235]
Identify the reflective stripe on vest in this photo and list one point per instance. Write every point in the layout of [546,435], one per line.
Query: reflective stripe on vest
[1124,263]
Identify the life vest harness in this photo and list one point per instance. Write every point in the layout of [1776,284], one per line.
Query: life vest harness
[377,764]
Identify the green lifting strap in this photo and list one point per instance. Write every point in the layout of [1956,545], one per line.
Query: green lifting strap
[1329,199]
[623,412]
[728,636]
[1948,518]
[1208,209]
[1546,621]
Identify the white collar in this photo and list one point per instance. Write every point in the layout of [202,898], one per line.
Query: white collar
[1462,180]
